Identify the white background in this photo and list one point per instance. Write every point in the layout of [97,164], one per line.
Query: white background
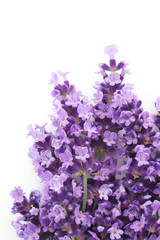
[38,37]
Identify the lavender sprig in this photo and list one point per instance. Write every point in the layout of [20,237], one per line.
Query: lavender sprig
[100,168]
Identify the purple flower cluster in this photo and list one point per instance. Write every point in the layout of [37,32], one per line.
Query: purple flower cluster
[100,168]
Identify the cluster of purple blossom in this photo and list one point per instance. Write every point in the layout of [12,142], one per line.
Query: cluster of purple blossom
[100,168]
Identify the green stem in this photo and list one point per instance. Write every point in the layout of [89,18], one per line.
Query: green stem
[94,205]
[65,211]
[85,191]
[73,238]
[100,153]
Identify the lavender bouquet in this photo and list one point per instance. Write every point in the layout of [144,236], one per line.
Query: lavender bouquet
[100,168]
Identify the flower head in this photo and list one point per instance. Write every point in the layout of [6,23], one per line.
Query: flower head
[99,165]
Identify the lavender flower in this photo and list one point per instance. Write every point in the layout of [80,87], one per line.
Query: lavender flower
[17,194]
[74,99]
[109,138]
[120,191]
[132,212]
[34,211]
[56,182]
[131,137]
[89,128]
[84,111]
[79,216]
[98,96]
[147,120]
[113,78]
[77,190]
[54,79]
[62,116]
[143,155]
[105,191]
[115,233]
[38,133]
[111,50]
[81,153]
[138,225]
[46,158]
[156,141]
[157,189]
[93,235]
[57,213]
[31,232]
[66,158]
[157,103]
[126,117]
